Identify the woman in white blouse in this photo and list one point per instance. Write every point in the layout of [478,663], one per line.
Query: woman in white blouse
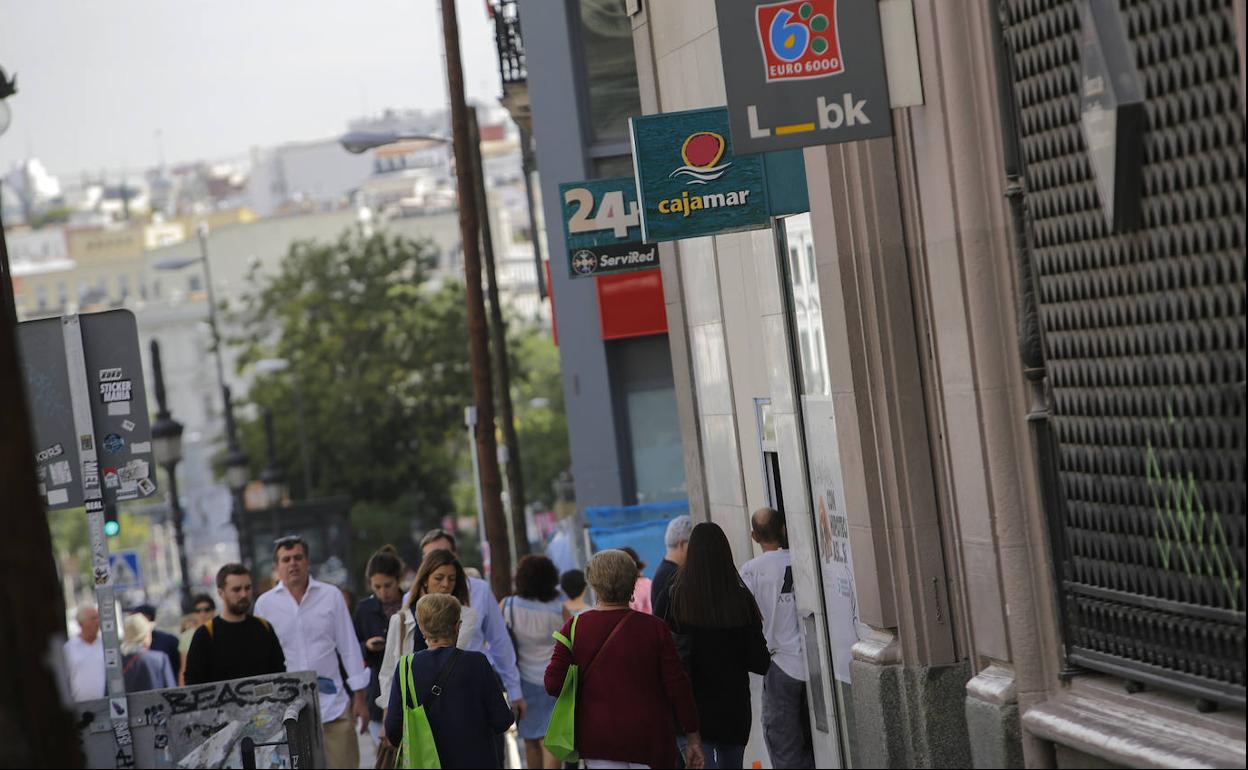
[440,573]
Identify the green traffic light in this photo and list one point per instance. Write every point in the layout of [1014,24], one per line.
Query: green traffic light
[111,528]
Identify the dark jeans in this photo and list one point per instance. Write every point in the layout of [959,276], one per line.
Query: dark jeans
[784,715]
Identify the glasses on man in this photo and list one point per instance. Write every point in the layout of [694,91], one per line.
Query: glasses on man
[204,608]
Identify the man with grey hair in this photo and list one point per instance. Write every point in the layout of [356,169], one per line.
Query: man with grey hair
[677,541]
[84,657]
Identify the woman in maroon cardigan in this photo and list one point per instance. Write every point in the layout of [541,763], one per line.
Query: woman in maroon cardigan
[633,690]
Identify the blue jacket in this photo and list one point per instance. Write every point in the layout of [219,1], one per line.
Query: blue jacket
[465,718]
[147,670]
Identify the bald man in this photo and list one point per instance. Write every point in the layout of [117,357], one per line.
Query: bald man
[84,657]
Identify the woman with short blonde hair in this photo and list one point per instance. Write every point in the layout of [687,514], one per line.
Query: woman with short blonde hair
[462,696]
[623,714]
[438,617]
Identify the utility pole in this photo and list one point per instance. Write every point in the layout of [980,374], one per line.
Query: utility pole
[38,731]
[478,339]
[498,342]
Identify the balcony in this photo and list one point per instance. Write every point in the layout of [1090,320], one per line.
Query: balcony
[511,64]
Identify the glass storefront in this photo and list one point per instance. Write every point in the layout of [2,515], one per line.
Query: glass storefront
[823,467]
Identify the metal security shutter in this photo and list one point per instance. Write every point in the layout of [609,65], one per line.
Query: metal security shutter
[1144,336]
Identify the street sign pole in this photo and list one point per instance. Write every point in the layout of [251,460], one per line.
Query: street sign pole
[93,501]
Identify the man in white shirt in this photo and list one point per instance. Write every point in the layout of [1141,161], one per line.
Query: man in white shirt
[786,726]
[84,657]
[315,629]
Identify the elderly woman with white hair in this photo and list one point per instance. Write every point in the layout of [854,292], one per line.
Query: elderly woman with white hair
[633,693]
[141,668]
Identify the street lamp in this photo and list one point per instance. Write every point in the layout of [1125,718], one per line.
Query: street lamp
[167,449]
[8,87]
[237,474]
[238,467]
[272,366]
[272,477]
[356,142]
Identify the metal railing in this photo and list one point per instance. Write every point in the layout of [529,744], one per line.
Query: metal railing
[510,44]
[301,728]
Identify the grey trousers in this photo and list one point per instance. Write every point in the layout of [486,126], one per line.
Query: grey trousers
[784,713]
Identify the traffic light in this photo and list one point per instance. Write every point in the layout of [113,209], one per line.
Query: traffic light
[112,527]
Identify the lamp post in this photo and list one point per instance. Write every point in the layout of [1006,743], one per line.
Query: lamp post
[472,177]
[272,477]
[237,474]
[238,481]
[273,365]
[167,448]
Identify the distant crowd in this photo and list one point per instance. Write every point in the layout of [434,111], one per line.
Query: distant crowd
[604,667]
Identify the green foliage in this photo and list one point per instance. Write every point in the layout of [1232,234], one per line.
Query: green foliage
[541,423]
[378,357]
[71,540]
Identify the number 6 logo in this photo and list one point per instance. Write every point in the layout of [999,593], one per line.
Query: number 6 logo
[799,39]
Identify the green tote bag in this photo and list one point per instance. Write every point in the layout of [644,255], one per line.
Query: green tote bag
[561,732]
[418,749]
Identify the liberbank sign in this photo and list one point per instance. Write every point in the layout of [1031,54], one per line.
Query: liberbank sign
[689,181]
[803,72]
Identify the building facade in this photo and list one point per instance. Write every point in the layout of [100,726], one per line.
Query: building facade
[621,400]
[1006,430]
[965,361]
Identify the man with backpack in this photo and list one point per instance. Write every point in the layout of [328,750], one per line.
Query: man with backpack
[234,644]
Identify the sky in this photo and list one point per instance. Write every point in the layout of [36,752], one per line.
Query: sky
[97,79]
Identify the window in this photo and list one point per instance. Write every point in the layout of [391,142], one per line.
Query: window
[41,296]
[123,287]
[610,68]
[193,284]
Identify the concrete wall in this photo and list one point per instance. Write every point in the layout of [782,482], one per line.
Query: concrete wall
[553,81]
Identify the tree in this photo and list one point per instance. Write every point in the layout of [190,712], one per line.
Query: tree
[377,348]
[541,422]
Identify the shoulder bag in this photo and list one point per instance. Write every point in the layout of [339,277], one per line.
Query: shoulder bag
[561,732]
[418,748]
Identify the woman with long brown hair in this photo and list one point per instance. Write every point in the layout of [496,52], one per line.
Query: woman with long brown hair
[719,634]
[440,573]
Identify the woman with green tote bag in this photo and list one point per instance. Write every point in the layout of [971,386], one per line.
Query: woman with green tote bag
[622,690]
[446,707]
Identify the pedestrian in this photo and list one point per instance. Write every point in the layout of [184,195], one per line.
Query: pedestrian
[573,585]
[490,634]
[641,591]
[719,633]
[440,573]
[203,609]
[372,619]
[314,627]
[162,641]
[84,657]
[458,688]
[143,668]
[533,615]
[676,539]
[769,577]
[633,691]
[234,644]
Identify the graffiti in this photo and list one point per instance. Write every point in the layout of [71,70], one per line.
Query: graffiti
[247,692]
[1187,533]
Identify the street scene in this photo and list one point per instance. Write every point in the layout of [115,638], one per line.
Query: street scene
[623,384]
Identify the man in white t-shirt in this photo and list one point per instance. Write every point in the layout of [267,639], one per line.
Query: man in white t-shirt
[770,578]
[84,657]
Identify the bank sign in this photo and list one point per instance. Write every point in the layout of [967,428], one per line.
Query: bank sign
[803,72]
[602,228]
[689,180]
